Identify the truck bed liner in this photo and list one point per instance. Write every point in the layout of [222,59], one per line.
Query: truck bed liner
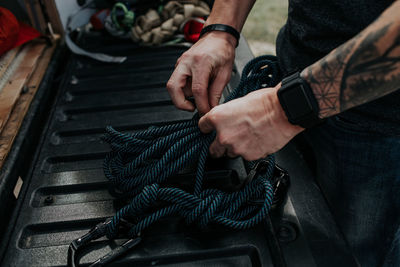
[66,192]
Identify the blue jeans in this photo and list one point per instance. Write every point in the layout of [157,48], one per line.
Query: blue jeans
[359,174]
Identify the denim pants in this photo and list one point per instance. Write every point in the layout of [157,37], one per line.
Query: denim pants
[359,173]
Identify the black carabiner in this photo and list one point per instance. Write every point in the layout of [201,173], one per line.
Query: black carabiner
[96,232]
[260,167]
[280,182]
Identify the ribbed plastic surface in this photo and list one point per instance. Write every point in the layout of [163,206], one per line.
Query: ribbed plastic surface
[65,193]
[68,192]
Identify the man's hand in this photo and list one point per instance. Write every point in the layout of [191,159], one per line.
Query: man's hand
[253,126]
[202,72]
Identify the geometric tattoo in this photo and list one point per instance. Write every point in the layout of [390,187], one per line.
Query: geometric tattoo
[361,70]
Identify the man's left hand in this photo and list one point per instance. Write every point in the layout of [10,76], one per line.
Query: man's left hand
[252,126]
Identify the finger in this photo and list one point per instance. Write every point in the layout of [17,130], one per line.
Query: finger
[217,86]
[205,124]
[178,61]
[200,79]
[187,89]
[175,87]
[216,149]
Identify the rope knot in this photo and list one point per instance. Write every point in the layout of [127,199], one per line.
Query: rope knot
[205,211]
[149,195]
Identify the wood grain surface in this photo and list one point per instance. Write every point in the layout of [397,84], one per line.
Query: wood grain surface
[11,91]
[24,99]
[7,59]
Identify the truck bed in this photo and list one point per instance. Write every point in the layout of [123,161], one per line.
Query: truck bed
[65,193]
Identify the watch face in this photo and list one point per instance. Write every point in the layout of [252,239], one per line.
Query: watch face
[297,102]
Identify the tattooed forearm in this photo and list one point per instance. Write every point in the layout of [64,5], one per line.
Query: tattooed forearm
[361,70]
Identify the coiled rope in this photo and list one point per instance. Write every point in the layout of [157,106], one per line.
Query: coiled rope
[138,163]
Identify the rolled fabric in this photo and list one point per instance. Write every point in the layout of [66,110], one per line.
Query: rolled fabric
[174,15]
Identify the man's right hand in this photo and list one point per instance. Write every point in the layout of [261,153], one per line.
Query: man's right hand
[202,72]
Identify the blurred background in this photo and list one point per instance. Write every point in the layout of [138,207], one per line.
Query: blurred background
[263,24]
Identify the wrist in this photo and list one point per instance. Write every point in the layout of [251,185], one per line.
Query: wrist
[230,21]
[222,31]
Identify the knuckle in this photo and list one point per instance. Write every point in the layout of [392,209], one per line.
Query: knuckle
[223,140]
[183,56]
[213,116]
[197,89]
[170,85]
[198,57]
[235,150]
[215,93]
[178,61]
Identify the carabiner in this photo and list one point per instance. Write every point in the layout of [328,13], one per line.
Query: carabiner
[260,167]
[280,182]
[96,232]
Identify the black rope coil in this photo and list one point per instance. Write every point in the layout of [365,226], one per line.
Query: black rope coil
[138,163]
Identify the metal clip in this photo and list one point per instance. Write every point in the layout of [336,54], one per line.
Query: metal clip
[261,166]
[96,232]
[281,183]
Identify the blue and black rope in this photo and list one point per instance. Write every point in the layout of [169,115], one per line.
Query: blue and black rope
[138,163]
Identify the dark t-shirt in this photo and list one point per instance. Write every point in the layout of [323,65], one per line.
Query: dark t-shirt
[316,27]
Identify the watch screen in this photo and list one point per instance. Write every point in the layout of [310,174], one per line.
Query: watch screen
[297,102]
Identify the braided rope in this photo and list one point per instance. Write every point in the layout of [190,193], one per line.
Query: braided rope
[138,163]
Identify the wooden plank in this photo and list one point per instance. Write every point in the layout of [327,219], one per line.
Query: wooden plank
[21,107]
[11,91]
[29,10]
[35,14]
[54,16]
[6,59]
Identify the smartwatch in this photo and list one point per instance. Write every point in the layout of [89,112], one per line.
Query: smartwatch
[298,102]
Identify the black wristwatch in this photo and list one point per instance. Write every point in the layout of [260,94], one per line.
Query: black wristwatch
[298,101]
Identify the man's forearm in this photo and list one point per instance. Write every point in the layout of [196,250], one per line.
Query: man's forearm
[230,12]
[361,70]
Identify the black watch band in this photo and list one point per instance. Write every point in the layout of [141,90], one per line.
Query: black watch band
[222,28]
[298,101]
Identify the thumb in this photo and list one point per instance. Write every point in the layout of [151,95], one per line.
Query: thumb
[205,124]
